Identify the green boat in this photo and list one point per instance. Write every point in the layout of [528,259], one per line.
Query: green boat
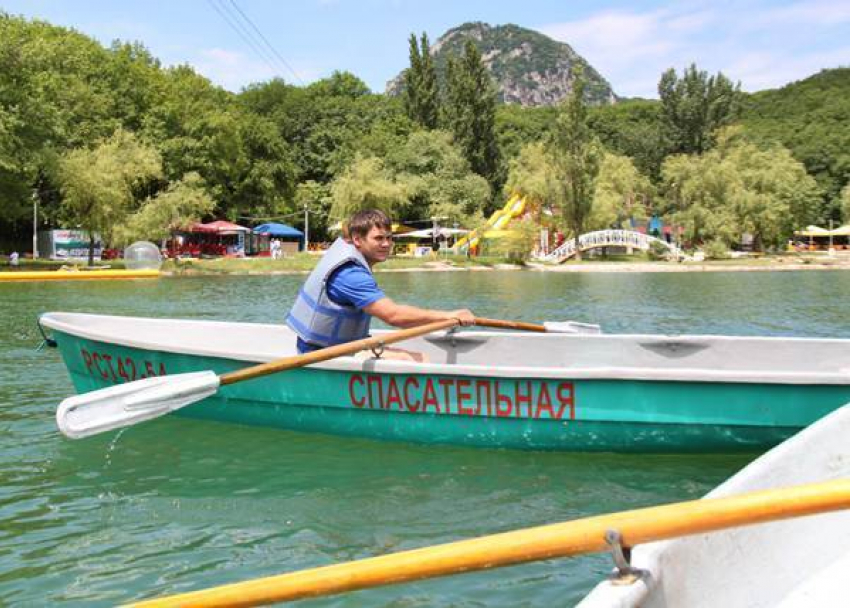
[549,391]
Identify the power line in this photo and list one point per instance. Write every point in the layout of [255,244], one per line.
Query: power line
[268,44]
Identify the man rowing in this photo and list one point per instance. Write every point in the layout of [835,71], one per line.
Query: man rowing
[340,297]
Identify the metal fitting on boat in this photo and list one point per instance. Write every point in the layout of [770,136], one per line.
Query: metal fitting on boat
[378,350]
[47,341]
[624,573]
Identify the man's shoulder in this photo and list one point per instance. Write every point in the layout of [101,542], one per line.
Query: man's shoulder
[351,272]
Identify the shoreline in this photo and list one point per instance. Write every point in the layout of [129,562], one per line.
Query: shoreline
[591,267]
[773,266]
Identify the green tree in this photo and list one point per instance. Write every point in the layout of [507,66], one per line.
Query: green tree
[621,194]
[176,208]
[845,204]
[366,184]
[575,153]
[245,163]
[421,94]
[632,128]
[529,173]
[328,123]
[810,118]
[694,106]
[695,197]
[438,179]
[427,176]
[471,113]
[739,187]
[55,94]
[100,186]
[316,199]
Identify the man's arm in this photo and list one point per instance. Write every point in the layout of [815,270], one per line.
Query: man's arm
[402,315]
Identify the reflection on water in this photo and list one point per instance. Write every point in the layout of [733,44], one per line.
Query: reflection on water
[177,504]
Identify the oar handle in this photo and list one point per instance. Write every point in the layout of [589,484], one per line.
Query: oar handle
[498,323]
[340,350]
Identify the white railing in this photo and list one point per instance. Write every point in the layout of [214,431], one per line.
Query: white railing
[606,238]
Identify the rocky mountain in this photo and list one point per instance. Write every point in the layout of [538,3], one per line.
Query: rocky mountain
[529,68]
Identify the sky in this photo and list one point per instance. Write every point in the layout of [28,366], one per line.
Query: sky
[762,44]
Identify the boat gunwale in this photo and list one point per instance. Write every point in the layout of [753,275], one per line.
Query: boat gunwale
[352,364]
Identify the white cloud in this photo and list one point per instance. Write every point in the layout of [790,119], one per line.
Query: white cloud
[760,45]
[801,14]
[759,71]
[630,49]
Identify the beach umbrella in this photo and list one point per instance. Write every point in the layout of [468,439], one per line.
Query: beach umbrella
[812,230]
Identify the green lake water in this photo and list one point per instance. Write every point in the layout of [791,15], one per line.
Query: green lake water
[176,505]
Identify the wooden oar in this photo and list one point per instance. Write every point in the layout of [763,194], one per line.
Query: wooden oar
[551,541]
[125,404]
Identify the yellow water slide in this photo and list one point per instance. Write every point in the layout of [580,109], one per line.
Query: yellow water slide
[513,208]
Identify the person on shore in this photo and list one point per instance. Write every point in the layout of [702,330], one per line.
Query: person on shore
[340,296]
[14,258]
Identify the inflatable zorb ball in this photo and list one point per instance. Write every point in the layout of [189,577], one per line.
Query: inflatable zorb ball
[142,255]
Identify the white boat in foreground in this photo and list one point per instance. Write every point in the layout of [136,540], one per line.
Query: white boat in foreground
[793,563]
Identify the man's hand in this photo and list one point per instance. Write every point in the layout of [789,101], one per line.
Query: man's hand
[463,315]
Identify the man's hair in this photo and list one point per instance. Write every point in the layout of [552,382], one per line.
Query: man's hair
[363,221]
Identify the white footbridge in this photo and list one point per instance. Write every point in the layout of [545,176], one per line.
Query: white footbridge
[606,238]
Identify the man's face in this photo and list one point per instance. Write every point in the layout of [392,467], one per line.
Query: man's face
[375,246]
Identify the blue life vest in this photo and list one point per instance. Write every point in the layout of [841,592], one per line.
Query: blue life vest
[315,317]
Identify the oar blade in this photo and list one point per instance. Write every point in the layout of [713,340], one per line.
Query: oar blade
[125,404]
[571,327]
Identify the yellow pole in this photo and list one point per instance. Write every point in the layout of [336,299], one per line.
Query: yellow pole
[531,544]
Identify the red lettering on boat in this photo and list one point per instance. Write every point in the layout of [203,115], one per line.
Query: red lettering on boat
[122,371]
[96,359]
[87,358]
[376,380]
[446,383]
[462,396]
[544,402]
[504,405]
[520,398]
[565,399]
[483,384]
[108,359]
[412,405]
[430,397]
[393,395]
[355,378]
[132,364]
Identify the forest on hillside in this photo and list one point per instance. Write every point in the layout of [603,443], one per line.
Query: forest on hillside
[110,140]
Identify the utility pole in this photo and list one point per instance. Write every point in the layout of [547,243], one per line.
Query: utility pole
[306,228]
[433,234]
[34,224]
[435,227]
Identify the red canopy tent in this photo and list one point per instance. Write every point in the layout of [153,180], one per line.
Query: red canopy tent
[205,239]
[219,227]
